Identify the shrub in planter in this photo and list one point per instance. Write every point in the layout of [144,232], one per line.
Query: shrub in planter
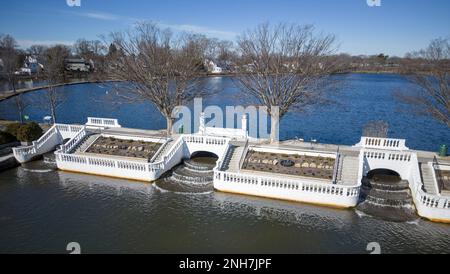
[6,138]
[29,132]
[13,128]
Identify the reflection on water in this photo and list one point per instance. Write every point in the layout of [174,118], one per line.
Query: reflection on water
[43,211]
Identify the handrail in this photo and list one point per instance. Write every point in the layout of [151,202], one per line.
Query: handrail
[36,144]
[74,141]
[244,154]
[221,161]
[160,150]
[437,170]
[336,167]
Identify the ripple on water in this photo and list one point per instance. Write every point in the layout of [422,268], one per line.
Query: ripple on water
[109,215]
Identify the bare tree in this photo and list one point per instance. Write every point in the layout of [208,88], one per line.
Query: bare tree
[285,66]
[11,62]
[157,67]
[429,71]
[37,50]
[378,129]
[54,73]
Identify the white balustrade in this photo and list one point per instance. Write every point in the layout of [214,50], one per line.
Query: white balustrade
[24,154]
[103,122]
[291,185]
[383,143]
[72,143]
[388,156]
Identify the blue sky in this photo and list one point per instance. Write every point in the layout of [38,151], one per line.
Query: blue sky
[394,28]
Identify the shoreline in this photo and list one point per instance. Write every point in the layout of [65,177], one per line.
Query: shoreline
[4,95]
[7,94]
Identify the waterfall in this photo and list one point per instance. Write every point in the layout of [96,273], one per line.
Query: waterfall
[387,197]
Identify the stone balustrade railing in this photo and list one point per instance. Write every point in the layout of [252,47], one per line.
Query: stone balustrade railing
[221,160]
[68,128]
[383,143]
[244,154]
[288,184]
[36,145]
[390,156]
[72,143]
[103,122]
[206,140]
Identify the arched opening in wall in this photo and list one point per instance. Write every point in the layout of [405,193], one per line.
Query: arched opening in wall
[204,158]
[382,174]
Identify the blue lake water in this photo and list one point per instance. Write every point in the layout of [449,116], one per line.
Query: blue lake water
[361,98]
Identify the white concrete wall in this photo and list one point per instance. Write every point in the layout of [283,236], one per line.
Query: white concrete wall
[106,167]
[293,190]
[400,162]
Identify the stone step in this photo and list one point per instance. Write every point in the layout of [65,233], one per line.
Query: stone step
[427,179]
[398,186]
[199,167]
[383,201]
[349,169]
[86,143]
[184,175]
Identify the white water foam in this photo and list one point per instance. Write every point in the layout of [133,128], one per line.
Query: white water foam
[38,170]
[362,214]
[182,193]
[415,222]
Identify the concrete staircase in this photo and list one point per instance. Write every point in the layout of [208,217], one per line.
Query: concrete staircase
[349,172]
[86,143]
[232,159]
[427,179]
[164,151]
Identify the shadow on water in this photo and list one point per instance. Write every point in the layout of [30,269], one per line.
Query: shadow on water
[118,216]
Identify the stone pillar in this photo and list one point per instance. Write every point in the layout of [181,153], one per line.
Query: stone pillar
[244,124]
[202,127]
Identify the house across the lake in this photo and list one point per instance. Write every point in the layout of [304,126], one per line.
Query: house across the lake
[80,65]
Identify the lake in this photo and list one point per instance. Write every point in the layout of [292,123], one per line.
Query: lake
[42,210]
[361,98]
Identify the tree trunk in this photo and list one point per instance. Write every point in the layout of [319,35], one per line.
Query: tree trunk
[169,121]
[274,128]
[18,98]
[54,115]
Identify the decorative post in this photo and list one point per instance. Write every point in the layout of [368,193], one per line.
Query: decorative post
[244,125]
[202,127]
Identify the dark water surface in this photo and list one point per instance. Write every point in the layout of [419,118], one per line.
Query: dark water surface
[42,211]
